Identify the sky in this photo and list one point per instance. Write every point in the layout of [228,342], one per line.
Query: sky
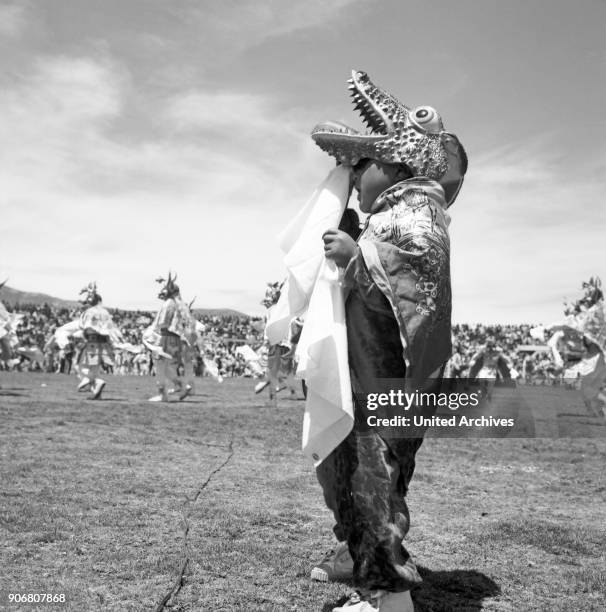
[140,136]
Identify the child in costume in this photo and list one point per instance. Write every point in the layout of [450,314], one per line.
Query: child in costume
[172,337]
[407,172]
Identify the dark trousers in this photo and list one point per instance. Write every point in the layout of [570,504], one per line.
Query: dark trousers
[365,479]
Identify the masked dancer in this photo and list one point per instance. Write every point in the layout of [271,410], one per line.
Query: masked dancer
[279,357]
[579,346]
[172,338]
[99,335]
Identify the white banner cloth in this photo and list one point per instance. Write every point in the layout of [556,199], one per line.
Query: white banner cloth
[313,287]
[301,241]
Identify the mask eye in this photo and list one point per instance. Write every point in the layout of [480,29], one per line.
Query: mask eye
[427,118]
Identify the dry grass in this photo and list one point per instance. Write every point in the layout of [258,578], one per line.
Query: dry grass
[104,500]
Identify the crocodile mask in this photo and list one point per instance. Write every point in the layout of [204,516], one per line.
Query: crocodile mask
[397,135]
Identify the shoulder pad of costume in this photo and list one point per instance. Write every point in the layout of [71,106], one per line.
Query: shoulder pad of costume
[403,193]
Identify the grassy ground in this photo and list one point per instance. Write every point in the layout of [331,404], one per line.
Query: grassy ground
[105,501]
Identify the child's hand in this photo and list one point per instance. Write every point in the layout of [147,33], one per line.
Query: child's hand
[339,246]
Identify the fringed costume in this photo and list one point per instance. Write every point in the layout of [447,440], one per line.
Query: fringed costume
[280,356]
[99,333]
[579,346]
[7,331]
[172,338]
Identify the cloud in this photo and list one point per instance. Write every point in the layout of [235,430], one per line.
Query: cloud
[12,20]
[528,227]
[245,23]
[211,176]
[204,191]
[218,111]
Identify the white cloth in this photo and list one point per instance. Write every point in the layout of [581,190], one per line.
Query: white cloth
[313,287]
[592,370]
[97,319]
[253,361]
[152,340]
[301,241]
[68,331]
[323,362]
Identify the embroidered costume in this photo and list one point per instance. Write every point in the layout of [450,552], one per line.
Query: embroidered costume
[489,364]
[279,357]
[99,333]
[398,309]
[7,331]
[579,346]
[172,338]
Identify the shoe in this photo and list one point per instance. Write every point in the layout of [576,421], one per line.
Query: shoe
[355,603]
[85,382]
[185,392]
[260,386]
[336,565]
[97,389]
[161,397]
[378,601]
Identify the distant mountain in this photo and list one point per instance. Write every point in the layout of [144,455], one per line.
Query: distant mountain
[14,297]
[219,312]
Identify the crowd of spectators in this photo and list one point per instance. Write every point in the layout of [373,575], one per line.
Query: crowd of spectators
[529,360]
[220,340]
[224,334]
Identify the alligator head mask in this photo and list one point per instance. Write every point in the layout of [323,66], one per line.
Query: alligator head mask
[396,135]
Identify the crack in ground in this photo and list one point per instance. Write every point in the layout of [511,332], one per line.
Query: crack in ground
[189,501]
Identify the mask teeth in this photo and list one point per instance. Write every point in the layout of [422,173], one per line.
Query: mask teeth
[365,110]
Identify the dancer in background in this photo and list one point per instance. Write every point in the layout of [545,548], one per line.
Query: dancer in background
[578,346]
[171,338]
[99,334]
[489,365]
[279,358]
[7,332]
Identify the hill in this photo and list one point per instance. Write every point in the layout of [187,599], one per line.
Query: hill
[219,312]
[14,297]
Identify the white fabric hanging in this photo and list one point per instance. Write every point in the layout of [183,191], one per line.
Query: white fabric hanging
[313,288]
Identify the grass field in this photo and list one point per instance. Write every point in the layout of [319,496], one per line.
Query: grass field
[110,502]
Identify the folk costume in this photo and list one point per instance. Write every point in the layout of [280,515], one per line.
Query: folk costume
[279,357]
[100,334]
[172,337]
[397,321]
[579,346]
[7,332]
[488,365]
